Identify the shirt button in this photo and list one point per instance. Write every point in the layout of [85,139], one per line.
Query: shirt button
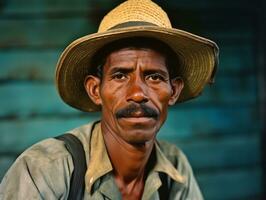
[91,180]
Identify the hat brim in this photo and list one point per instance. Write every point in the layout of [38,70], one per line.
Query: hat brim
[198,57]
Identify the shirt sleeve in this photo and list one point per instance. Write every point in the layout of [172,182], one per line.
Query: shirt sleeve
[41,172]
[191,191]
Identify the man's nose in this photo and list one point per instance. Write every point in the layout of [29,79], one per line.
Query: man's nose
[137,91]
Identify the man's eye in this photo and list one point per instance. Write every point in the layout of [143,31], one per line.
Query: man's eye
[119,76]
[155,77]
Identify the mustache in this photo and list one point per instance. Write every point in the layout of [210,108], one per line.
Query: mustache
[129,111]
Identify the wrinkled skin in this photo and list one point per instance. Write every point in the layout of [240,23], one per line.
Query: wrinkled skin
[134,76]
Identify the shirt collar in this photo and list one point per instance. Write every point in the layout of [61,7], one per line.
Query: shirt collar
[100,164]
[165,166]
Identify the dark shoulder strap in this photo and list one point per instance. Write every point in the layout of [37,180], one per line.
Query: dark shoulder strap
[164,190]
[77,182]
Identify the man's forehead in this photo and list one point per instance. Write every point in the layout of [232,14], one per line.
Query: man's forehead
[132,58]
[132,51]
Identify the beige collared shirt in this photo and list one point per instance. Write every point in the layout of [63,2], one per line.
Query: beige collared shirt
[44,171]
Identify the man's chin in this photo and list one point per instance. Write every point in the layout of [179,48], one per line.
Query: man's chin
[140,140]
[138,131]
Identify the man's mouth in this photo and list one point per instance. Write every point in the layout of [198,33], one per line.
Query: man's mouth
[137,120]
[138,117]
[137,114]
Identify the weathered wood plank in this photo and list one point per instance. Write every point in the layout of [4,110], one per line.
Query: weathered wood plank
[210,121]
[33,98]
[221,34]
[40,64]
[28,64]
[244,184]
[206,4]
[222,152]
[42,7]
[229,89]
[236,58]
[42,32]
[20,134]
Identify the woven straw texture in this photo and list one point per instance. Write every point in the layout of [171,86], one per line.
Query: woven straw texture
[135,10]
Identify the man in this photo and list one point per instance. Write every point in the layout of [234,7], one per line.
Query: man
[132,70]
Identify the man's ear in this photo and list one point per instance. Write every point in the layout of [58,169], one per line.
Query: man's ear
[177,86]
[92,86]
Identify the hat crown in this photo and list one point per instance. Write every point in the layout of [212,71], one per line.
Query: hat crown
[135,11]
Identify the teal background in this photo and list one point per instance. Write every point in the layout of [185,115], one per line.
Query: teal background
[221,132]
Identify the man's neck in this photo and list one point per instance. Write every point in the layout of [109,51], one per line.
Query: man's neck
[129,162]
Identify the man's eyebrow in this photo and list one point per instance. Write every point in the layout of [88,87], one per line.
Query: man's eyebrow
[154,71]
[121,69]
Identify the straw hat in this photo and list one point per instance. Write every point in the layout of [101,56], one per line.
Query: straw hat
[135,18]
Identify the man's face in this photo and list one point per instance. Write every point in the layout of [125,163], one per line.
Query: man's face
[135,92]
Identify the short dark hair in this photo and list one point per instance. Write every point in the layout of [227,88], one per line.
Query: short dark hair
[99,59]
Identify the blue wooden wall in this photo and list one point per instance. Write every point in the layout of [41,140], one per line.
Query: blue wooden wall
[220,132]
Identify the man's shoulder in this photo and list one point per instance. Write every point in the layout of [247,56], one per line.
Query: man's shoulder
[48,149]
[172,152]
[169,149]
[52,149]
